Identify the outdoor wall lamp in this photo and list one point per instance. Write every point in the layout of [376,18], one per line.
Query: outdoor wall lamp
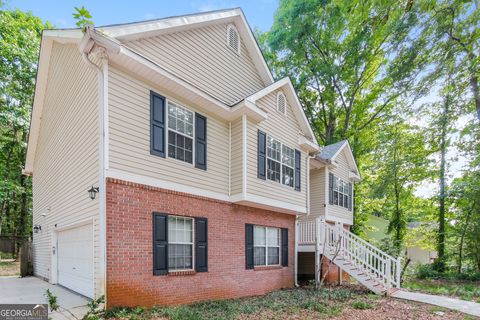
[92,192]
[37,228]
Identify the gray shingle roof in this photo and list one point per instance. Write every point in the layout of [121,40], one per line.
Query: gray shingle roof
[329,151]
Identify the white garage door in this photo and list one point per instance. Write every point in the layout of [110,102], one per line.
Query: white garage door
[75,259]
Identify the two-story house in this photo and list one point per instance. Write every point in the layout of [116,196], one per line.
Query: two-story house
[169,167]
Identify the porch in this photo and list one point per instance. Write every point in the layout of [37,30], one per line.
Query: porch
[366,263]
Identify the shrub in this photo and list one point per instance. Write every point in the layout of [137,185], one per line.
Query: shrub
[426,271]
[52,300]
[361,305]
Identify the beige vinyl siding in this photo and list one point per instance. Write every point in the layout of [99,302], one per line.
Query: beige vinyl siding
[67,156]
[129,139]
[342,171]
[318,191]
[284,128]
[201,57]
[237,158]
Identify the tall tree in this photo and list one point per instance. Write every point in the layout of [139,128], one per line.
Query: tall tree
[19,43]
[400,165]
[454,28]
[349,60]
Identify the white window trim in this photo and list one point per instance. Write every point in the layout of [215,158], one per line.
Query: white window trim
[167,101]
[192,244]
[266,246]
[281,163]
[279,94]
[336,188]
[229,27]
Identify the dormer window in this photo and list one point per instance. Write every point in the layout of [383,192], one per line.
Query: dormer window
[233,38]
[281,103]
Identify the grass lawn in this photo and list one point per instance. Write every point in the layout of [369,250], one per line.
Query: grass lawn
[9,268]
[466,290]
[346,302]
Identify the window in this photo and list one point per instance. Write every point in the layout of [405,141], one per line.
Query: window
[281,103]
[180,243]
[280,162]
[340,192]
[233,39]
[180,133]
[266,246]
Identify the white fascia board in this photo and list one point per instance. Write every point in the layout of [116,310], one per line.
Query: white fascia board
[253,48]
[144,29]
[138,64]
[317,164]
[307,144]
[250,109]
[354,177]
[64,35]
[39,97]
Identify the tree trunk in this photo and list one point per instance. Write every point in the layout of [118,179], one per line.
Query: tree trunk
[21,225]
[462,238]
[441,213]
[476,94]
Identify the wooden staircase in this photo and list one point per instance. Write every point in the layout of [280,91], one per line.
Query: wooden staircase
[364,262]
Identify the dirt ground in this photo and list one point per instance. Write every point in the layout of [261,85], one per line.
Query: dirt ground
[387,308]
[9,267]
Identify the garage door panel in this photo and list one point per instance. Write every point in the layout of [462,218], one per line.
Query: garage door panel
[75,259]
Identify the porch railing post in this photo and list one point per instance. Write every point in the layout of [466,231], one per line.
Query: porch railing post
[399,271]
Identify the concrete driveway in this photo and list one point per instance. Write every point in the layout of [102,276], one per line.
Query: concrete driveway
[32,290]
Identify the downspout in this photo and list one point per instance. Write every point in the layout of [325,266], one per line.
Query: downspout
[102,73]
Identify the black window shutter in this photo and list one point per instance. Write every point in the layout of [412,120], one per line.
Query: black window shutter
[157,124]
[201,244]
[248,246]
[284,236]
[330,188]
[200,142]
[262,155]
[298,170]
[160,244]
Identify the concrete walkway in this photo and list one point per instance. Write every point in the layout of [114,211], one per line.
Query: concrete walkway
[467,307]
[32,290]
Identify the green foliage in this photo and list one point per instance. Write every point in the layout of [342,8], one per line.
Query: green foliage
[83,17]
[325,301]
[52,300]
[361,305]
[96,309]
[19,44]
[448,287]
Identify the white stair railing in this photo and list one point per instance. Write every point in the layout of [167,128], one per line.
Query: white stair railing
[368,259]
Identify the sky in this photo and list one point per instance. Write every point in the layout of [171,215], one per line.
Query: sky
[259,13]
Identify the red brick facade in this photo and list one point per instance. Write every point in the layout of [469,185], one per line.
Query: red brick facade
[130,279]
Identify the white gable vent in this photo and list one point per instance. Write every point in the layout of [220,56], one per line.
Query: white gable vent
[281,103]
[233,39]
